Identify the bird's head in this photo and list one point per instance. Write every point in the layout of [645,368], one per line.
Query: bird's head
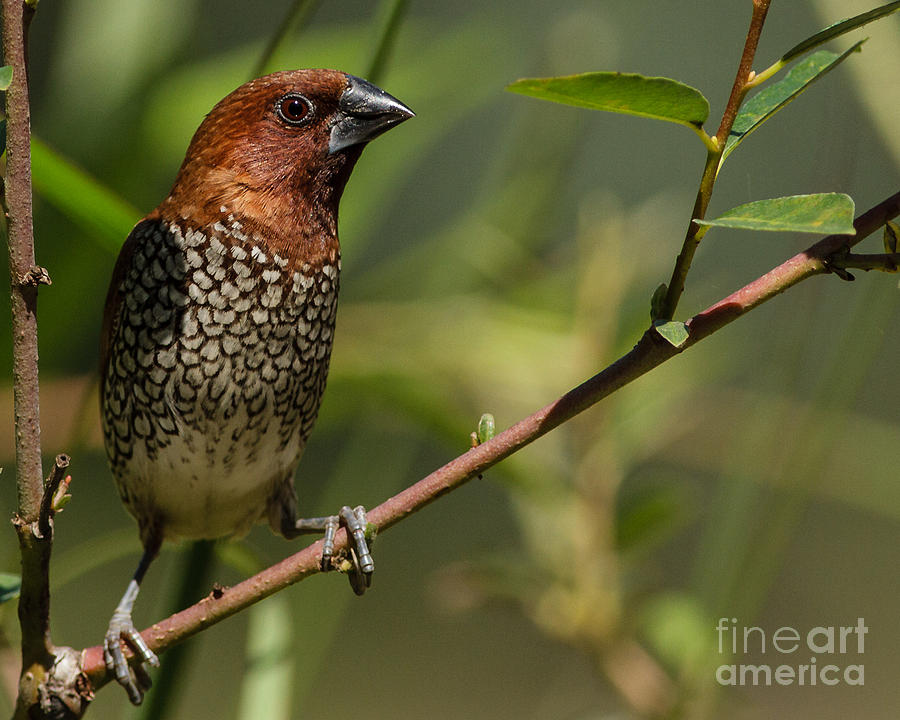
[277,152]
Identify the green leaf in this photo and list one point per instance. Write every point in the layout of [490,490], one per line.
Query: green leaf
[673,331]
[652,97]
[839,28]
[770,100]
[824,213]
[5,77]
[9,586]
[98,210]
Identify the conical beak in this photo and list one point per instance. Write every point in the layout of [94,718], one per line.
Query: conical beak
[365,111]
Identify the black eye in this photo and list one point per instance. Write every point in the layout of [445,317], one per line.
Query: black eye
[294,109]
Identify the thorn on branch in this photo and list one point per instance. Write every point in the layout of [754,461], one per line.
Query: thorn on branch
[55,493]
[891,239]
[832,265]
[36,276]
[842,273]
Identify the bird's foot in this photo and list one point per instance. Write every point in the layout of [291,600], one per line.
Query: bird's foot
[358,564]
[134,678]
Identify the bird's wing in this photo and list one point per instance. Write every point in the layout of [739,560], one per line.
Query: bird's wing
[113,306]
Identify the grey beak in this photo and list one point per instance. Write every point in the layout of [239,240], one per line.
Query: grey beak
[365,111]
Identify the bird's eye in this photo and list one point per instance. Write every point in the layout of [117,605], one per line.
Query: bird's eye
[294,109]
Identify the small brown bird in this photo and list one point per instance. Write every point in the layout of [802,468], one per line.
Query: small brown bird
[219,323]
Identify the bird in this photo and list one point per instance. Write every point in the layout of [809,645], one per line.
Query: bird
[219,323]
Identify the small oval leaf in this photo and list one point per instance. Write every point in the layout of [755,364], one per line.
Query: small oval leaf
[823,213]
[652,97]
[485,428]
[672,330]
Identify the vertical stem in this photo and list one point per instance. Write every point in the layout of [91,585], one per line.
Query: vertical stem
[34,599]
[17,208]
[739,89]
[691,238]
[704,193]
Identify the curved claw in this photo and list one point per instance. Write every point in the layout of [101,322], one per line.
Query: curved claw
[363,565]
[360,580]
[135,680]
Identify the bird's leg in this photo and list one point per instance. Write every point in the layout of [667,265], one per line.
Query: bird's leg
[136,680]
[354,520]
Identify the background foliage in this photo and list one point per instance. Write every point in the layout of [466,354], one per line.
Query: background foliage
[497,251]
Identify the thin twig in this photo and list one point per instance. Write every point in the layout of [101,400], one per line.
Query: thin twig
[886,262]
[739,88]
[50,487]
[650,351]
[707,181]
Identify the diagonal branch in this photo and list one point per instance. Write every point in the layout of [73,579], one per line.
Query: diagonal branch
[650,351]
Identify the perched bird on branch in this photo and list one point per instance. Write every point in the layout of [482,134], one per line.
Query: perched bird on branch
[219,323]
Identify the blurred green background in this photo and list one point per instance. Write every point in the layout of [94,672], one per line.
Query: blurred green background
[497,251]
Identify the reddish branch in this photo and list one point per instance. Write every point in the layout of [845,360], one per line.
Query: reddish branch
[650,351]
[745,66]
